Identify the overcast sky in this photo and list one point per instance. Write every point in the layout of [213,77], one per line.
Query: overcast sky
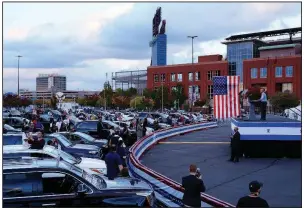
[84,41]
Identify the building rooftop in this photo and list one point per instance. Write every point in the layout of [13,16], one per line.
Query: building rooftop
[244,40]
[277,47]
[51,75]
[188,64]
[259,35]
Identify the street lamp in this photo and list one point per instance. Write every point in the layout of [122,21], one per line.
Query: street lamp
[18,72]
[192,38]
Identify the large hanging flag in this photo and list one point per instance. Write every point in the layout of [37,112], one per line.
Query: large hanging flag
[226,96]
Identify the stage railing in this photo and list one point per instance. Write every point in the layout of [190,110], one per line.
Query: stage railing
[167,191]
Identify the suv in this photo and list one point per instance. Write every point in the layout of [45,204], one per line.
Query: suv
[49,182]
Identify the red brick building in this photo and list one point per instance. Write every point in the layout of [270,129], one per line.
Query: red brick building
[196,78]
[276,74]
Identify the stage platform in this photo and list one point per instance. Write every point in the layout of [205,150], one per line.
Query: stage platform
[276,137]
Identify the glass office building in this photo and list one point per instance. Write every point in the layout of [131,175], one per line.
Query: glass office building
[237,52]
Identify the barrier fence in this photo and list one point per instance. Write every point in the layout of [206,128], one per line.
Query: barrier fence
[167,191]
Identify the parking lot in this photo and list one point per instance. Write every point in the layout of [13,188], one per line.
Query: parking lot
[209,150]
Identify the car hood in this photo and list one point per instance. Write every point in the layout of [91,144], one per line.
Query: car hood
[104,141]
[85,147]
[89,164]
[127,183]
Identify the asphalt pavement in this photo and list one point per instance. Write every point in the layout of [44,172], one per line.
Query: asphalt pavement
[209,150]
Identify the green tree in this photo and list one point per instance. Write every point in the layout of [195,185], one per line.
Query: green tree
[108,93]
[178,95]
[284,100]
[119,91]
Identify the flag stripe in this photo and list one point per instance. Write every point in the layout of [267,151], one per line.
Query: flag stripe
[226,97]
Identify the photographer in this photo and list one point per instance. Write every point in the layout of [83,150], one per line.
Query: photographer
[193,185]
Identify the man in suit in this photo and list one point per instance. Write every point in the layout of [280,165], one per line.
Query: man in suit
[263,101]
[193,186]
[235,145]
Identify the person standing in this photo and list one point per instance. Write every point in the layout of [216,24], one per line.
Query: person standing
[37,143]
[99,127]
[235,145]
[263,102]
[114,163]
[193,185]
[145,124]
[253,199]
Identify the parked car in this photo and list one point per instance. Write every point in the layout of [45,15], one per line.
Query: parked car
[7,129]
[90,128]
[49,182]
[82,138]
[88,164]
[77,150]
[16,122]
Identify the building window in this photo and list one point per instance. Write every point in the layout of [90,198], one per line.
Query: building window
[254,73]
[156,78]
[278,71]
[217,73]
[209,75]
[287,87]
[190,75]
[172,77]
[263,72]
[289,71]
[210,91]
[197,76]
[163,77]
[179,77]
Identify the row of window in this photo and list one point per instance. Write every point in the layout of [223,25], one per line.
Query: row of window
[278,72]
[195,90]
[191,76]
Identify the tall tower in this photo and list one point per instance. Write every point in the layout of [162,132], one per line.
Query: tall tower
[159,41]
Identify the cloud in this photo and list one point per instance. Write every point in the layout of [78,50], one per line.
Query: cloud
[84,41]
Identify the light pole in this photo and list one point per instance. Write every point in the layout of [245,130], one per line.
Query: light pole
[18,72]
[163,93]
[192,38]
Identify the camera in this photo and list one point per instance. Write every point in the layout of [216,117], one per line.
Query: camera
[198,173]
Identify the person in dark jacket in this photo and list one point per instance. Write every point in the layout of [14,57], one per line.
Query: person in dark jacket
[235,145]
[36,143]
[145,124]
[121,151]
[253,199]
[114,163]
[193,186]
[100,128]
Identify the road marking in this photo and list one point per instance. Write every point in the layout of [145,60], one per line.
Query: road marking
[194,142]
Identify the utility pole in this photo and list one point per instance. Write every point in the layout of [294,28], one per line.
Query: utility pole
[104,92]
[18,73]
[192,38]
[162,81]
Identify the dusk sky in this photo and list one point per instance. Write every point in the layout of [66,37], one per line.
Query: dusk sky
[84,41]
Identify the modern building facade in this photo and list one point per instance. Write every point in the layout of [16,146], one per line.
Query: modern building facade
[51,82]
[196,78]
[159,50]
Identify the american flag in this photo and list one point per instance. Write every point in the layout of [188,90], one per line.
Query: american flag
[226,96]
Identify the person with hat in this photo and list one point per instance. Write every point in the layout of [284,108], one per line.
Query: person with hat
[253,199]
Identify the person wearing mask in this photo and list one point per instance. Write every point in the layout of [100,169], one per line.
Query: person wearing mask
[113,163]
[36,143]
[193,185]
[253,199]
[235,145]
[145,124]
[58,124]
[263,101]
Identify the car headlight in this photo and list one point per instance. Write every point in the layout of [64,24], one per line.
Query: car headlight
[93,152]
[99,170]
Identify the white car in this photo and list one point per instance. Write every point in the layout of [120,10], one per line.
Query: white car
[90,165]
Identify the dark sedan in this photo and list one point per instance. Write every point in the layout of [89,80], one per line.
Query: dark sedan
[77,150]
[90,128]
[82,138]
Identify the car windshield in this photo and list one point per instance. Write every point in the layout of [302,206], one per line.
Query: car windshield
[8,127]
[56,112]
[112,124]
[85,136]
[63,140]
[65,156]
[15,112]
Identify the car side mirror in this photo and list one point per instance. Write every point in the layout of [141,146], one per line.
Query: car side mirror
[81,190]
